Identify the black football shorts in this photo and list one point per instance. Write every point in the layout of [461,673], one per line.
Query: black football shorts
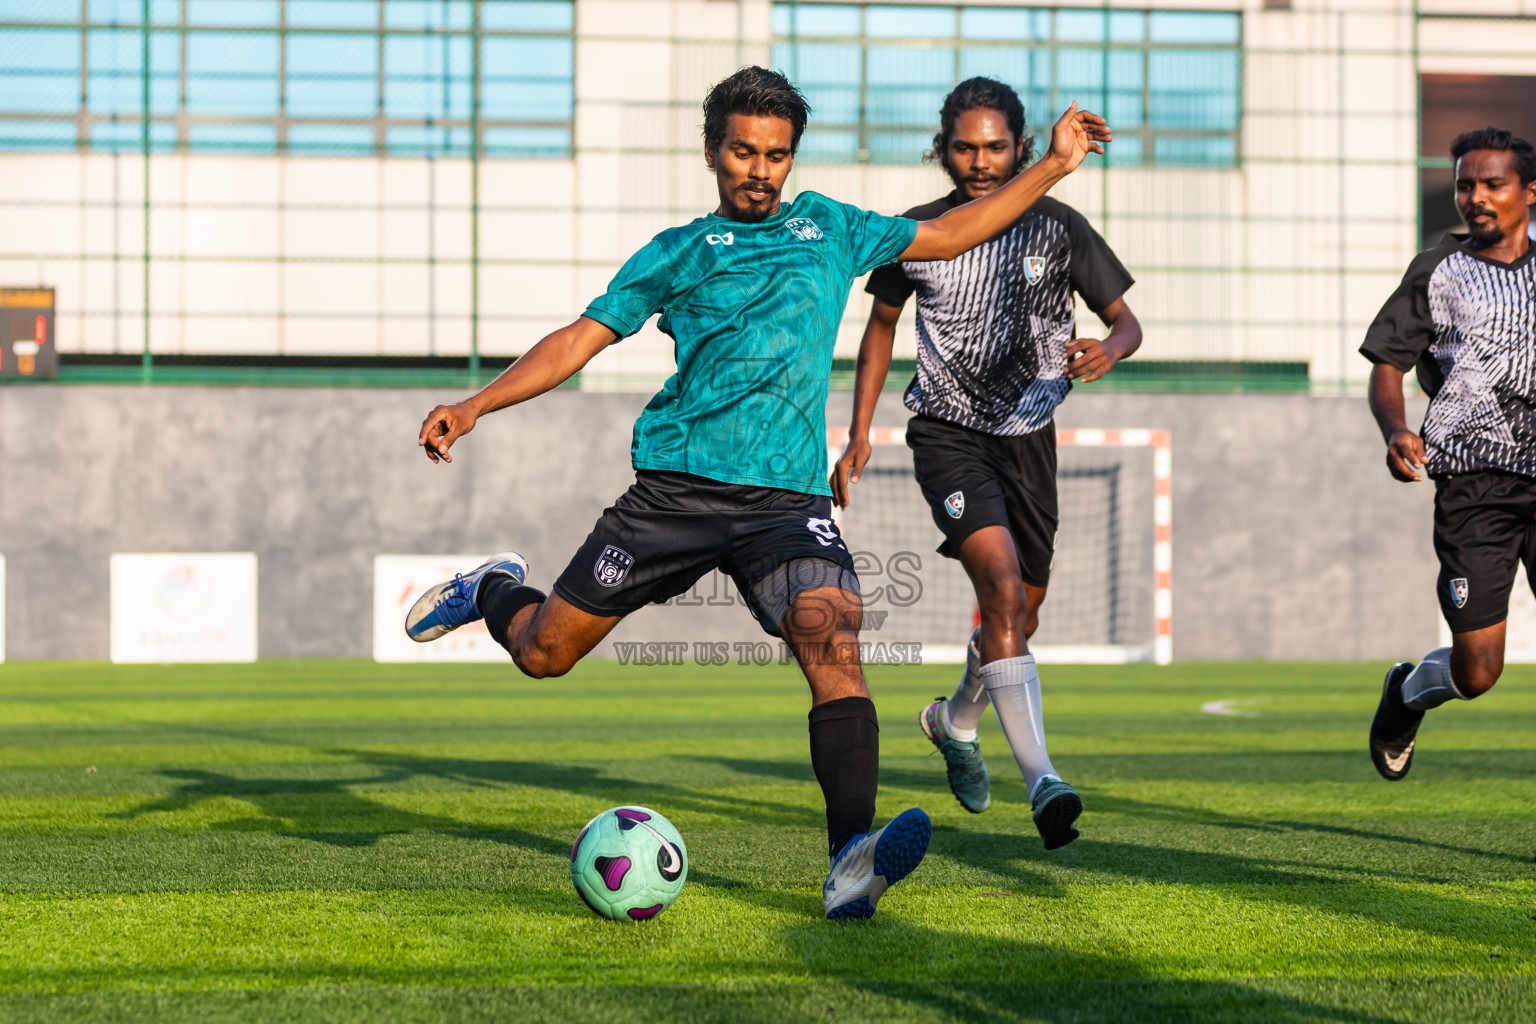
[973,479]
[663,534]
[1485,523]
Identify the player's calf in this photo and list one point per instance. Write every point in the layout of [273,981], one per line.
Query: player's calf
[545,636]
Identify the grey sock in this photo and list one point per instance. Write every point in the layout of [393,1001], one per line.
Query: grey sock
[1430,684]
[963,711]
[1014,686]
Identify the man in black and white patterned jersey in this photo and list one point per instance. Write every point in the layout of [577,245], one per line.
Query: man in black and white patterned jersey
[997,353]
[1465,318]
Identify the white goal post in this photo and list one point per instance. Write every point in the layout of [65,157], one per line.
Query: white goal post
[1110,600]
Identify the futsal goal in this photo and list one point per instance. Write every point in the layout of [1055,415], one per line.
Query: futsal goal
[1110,599]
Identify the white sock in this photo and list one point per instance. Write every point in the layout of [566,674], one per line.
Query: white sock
[963,711]
[1430,684]
[1014,686]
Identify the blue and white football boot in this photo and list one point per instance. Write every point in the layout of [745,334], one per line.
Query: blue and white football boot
[447,606]
[873,862]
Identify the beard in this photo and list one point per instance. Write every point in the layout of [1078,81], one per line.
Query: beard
[751,212]
[965,182]
[1486,232]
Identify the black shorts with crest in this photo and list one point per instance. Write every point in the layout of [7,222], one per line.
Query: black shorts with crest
[669,529]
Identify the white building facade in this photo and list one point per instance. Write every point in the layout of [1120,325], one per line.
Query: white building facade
[431,178]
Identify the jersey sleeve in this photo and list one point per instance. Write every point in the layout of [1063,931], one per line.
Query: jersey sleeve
[1403,330]
[1097,273]
[875,239]
[890,284]
[640,289]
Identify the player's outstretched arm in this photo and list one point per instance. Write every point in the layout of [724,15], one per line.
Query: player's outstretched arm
[1075,135]
[1088,359]
[874,363]
[1405,449]
[550,363]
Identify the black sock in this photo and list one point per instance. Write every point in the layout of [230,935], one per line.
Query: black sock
[499,598]
[845,753]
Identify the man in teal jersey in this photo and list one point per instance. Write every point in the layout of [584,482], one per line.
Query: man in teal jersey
[730,456]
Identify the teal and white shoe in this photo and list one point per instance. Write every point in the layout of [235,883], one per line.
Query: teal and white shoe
[1056,806]
[962,760]
[447,606]
[873,862]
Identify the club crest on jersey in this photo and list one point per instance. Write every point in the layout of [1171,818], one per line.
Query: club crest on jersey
[612,566]
[1459,592]
[1034,270]
[804,229]
[955,505]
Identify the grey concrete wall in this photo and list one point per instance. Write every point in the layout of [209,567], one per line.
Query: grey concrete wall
[1290,540]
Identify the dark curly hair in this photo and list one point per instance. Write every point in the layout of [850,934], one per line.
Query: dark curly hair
[1498,139]
[979,94]
[756,92]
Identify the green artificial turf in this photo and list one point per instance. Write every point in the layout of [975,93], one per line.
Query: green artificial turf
[336,841]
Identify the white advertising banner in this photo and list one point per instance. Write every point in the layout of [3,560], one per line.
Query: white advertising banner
[2,607]
[183,607]
[397,581]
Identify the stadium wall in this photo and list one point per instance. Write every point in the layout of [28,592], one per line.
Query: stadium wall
[1289,539]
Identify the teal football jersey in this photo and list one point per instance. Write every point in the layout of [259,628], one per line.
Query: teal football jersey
[754,311]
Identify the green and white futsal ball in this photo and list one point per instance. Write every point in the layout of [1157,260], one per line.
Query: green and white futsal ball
[629,863]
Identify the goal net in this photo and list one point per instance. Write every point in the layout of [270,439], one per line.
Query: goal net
[1110,597]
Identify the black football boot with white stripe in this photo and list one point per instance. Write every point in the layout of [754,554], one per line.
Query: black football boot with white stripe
[1394,727]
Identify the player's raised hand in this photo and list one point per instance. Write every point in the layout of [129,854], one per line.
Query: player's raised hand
[1088,359]
[1077,134]
[443,426]
[848,470]
[1405,456]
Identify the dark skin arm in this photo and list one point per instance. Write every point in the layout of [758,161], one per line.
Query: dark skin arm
[550,363]
[873,366]
[1405,449]
[1088,359]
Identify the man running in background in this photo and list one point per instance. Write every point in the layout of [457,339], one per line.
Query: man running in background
[1465,318]
[996,355]
[729,456]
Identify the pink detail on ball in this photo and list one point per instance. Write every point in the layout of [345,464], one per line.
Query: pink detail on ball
[641,913]
[614,871]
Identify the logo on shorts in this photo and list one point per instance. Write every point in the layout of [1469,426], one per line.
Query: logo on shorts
[804,229]
[612,566]
[825,531]
[1034,270]
[1459,591]
[955,505]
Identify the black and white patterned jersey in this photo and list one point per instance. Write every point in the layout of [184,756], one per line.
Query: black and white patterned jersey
[1468,323]
[993,323]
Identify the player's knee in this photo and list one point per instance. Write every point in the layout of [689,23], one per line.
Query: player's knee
[1006,607]
[540,660]
[1480,677]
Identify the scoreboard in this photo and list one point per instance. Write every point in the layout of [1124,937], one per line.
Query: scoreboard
[27,344]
